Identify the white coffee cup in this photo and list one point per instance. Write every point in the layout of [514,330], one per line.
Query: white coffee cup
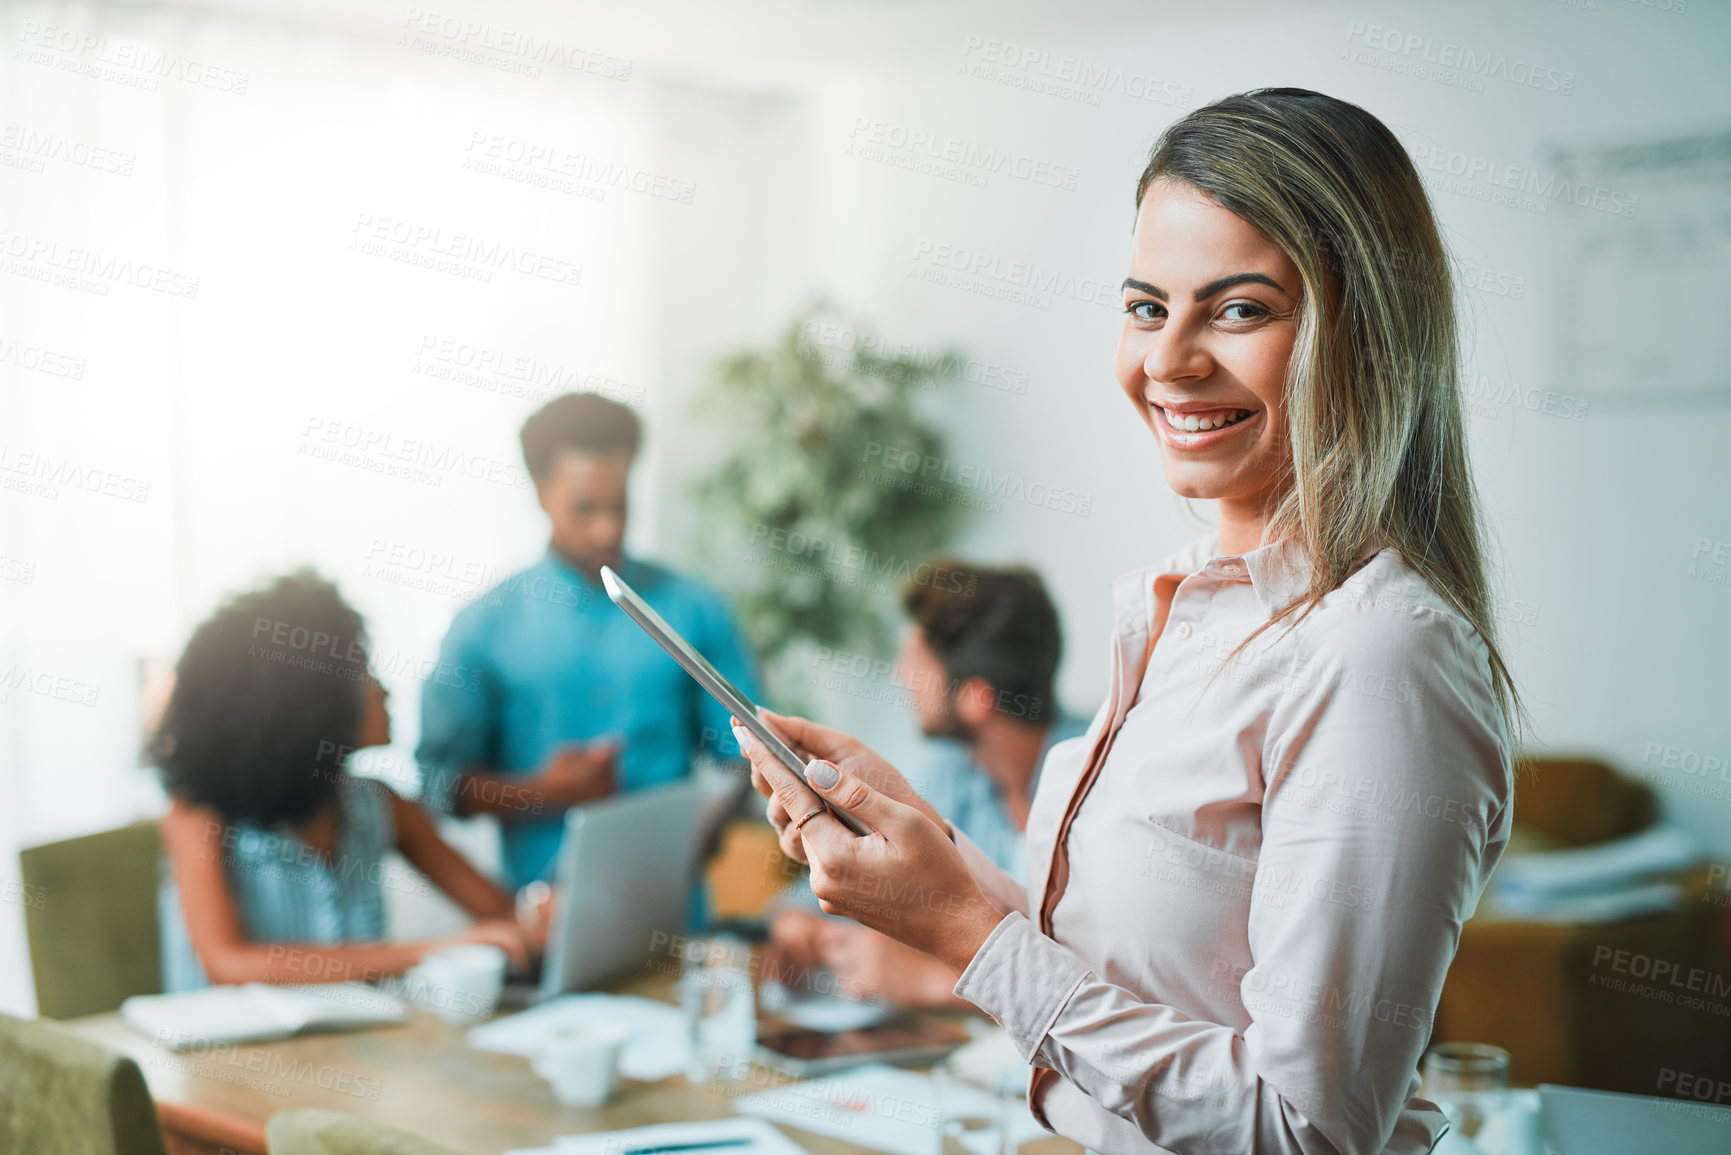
[460,984]
[582,1063]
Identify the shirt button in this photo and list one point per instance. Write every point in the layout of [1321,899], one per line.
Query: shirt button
[1183,629]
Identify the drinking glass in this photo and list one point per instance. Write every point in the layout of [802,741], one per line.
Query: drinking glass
[974,1117]
[720,1004]
[1469,1081]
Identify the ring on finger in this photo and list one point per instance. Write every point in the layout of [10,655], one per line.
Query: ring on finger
[808,816]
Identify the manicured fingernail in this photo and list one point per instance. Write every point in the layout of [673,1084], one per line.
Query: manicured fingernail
[822,774]
[743,738]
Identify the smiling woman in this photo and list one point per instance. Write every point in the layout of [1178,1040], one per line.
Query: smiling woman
[1208,371]
[1247,880]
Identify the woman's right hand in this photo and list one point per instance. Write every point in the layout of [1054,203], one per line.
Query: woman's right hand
[849,753]
[503,933]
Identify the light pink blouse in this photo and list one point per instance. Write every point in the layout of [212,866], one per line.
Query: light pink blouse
[1245,894]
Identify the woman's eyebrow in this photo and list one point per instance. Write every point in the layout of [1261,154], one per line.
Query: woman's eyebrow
[1208,290]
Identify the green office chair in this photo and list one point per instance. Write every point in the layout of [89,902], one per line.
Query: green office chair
[308,1131]
[90,910]
[65,1095]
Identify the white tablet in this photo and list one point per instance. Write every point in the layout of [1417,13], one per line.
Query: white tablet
[710,679]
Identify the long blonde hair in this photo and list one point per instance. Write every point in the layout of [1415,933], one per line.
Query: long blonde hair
[1373,387]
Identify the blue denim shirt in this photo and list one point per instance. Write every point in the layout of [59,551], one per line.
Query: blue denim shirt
[544,660]
[972,800]
[285,891]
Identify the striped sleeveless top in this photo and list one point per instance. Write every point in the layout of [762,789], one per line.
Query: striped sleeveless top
[285,891]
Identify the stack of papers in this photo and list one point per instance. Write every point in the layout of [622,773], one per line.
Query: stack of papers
[889,1109]
[257,1012]
[741,1136]
[659,1046]
[1596,884]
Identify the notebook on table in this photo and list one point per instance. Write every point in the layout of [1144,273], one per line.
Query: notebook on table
[257,1012]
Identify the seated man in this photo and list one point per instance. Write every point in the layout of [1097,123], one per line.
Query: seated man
[979,664]
[547,695]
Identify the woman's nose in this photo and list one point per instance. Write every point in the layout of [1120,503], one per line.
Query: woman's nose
[1175,355]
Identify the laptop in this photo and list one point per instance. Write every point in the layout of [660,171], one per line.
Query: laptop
[624,876]
[1581,1122]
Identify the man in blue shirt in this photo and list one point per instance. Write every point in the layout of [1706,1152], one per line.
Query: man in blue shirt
[554,697]
[978,662]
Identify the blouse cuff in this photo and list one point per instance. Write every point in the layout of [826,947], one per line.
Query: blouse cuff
[1022,979]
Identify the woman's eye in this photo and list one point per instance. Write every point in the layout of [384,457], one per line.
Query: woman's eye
[1247,311]
[1143,310]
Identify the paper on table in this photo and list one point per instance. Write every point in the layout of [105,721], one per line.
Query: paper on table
[887,1109]
[658,1047]
[765,1139]
[257,1012]
[829,1013]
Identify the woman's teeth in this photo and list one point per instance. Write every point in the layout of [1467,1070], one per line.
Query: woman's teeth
[1190,423]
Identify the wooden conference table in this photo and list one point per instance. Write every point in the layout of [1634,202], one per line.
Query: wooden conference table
[422,1077]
